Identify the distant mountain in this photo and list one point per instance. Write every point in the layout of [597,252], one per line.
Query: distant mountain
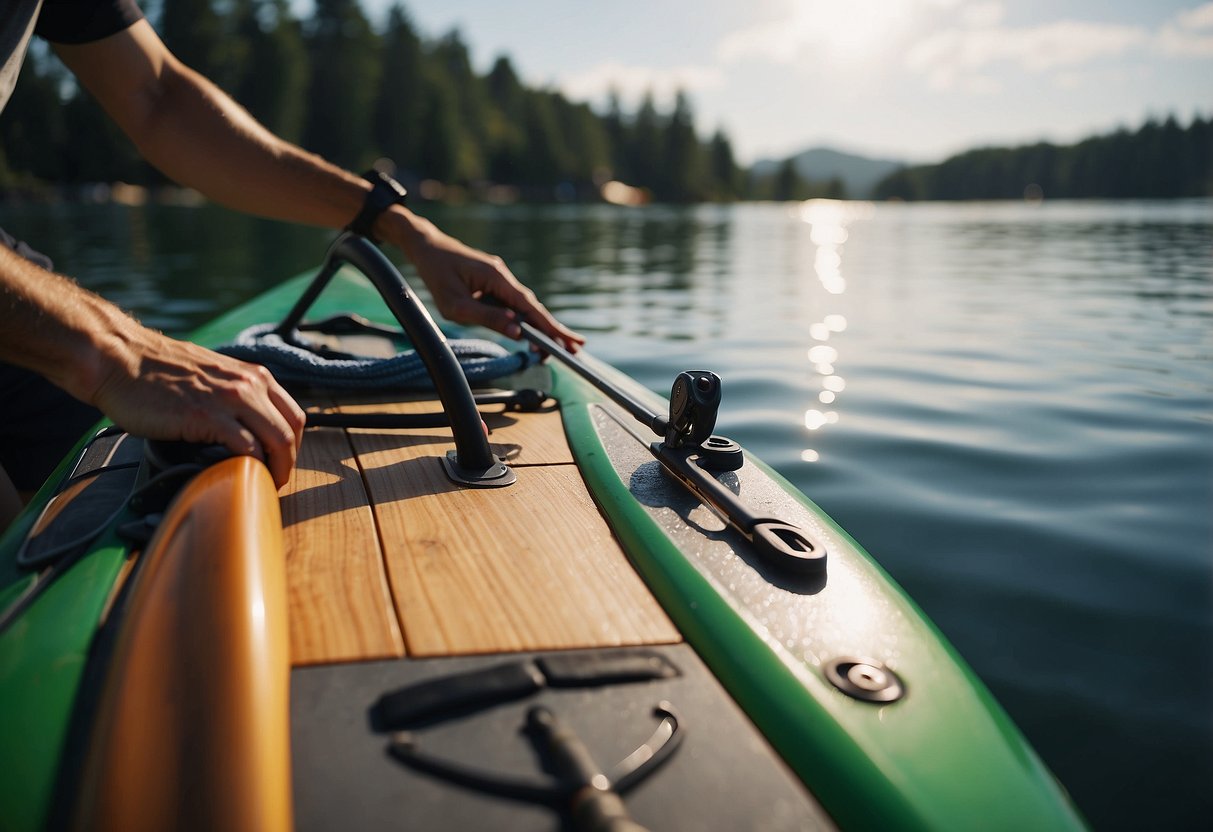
[859,174]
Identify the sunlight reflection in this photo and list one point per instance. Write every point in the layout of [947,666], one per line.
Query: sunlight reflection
[837,212]
[828,220]
[829,235]
[823,354]
[828,261]
[822,331]
[835,323]
[815,419]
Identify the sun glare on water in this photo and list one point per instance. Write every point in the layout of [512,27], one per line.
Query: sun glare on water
[828,222]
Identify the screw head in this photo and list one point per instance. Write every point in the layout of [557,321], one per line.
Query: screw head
[864,679]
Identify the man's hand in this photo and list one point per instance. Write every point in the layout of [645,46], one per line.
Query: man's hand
[459,276]
[160,388]
[149,384]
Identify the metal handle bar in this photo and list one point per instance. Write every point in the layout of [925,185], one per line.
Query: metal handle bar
[474,462]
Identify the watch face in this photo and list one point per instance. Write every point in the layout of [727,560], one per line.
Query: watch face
[389,190]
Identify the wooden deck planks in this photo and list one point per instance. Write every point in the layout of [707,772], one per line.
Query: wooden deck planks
[532,566]
[337,590]
[520,438]
[529,567]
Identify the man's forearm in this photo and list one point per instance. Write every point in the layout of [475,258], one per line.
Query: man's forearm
[151,385]
[199,137]
[50,325]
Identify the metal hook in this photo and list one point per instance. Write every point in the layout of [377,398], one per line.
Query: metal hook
[574,765]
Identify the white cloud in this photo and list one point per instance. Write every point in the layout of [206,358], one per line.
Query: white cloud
[810,33]
[964,57]
[978,15]
[1199,18]
[1189,34]
[949,56]
[633,82]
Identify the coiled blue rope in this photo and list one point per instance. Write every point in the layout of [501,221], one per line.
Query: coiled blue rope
[481,360]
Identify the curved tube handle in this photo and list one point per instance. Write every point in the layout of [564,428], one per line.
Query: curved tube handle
[472,462]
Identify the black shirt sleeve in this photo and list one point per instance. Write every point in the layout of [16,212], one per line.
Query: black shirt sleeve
[82,21]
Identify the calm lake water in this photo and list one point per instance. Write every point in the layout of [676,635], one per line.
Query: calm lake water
[1010,406]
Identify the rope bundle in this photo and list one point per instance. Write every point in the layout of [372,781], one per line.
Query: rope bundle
[481,360]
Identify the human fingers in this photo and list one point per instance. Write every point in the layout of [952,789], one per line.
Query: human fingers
[276,424]
[248,412]
[295,417]
[522,301]
[538,315]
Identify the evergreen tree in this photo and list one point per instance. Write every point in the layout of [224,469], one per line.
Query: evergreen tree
[722,167]
[545,161]
[401,102]
[198,34]
[681,157]
[344,55]
[32,129]
[1197,160]
[832,188]
[506,147]
[274,82]
[644,149]
[450,58]
[440,137]
[787,184]
[1162,152]
[1159,160]
[617,137]
[586,147]
[108,155]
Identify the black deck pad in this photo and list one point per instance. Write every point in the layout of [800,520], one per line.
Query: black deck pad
[724,775]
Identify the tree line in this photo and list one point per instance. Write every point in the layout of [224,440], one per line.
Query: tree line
[353,92]
[1160,160]
[341,87]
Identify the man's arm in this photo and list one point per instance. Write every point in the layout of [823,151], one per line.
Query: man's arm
[196,135]
[149,384]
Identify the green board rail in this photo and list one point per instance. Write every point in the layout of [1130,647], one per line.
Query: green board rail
[947,756]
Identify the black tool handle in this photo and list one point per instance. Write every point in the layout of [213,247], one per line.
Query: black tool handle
[593,805]
[783,545]
[458,693]
[658,424]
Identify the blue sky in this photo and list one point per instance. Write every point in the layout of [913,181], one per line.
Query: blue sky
[914,79]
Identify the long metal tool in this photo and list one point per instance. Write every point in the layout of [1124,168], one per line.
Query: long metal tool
[649,418]
[685,449]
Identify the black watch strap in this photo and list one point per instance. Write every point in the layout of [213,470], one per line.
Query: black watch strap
[384,193]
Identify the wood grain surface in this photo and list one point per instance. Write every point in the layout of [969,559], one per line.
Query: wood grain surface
[386,556]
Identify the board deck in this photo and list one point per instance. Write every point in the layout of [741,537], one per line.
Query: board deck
[396,576]
[340,603]
[386,557]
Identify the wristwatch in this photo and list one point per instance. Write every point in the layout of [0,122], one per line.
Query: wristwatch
[384,193]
